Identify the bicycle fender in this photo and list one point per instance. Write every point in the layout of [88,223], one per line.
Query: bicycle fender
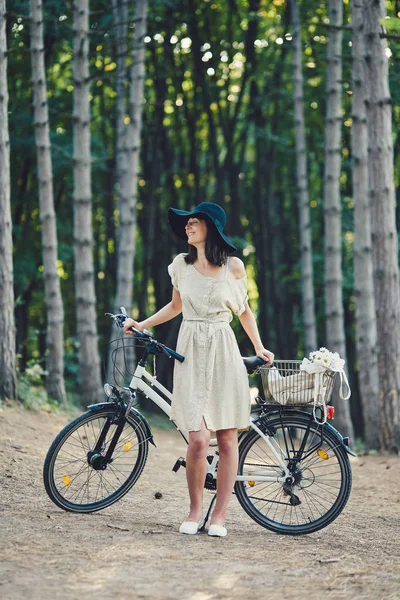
[344,441]
[142,419]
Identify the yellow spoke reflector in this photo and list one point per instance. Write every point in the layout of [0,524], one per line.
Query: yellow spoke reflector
[322,454]
[127,446]
[66,479]
[251,483]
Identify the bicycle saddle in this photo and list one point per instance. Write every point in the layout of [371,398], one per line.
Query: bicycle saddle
[252,363]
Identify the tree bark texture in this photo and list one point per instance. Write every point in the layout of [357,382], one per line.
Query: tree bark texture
[8,376]
[129,160]
[54,306]
[153,176]
[335,332]
[120,18]
[307,287]
[129,154]
[363,266]
[89,361]
[384,235]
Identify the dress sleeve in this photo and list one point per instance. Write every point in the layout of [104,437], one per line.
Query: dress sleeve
[173,270]
[241,296]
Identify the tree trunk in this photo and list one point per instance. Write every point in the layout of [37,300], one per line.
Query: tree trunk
[335,333]
[262,226]
[363,267]
[89,361]
[8,376]
[153,176]
[128,167]
[130,153]
[120,17]
[55,311]
[307,287]
[384,235]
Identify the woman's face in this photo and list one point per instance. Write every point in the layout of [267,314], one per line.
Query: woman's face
[196,230]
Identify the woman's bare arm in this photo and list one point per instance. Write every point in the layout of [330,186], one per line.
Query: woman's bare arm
[166,313]
[250,326]
[247,317]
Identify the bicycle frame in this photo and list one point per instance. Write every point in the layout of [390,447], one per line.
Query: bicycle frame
[144,382]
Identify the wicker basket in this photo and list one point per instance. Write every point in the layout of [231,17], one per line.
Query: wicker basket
[285,384]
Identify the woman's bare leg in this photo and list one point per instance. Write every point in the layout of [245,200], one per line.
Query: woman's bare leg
[227,471]
[196,469]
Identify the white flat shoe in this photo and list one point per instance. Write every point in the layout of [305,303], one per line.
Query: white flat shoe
[217,531]
[191,527]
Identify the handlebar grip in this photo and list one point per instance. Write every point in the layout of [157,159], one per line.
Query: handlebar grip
[260,361]
[179,357]
[173,354]
[137,332]
[145,333]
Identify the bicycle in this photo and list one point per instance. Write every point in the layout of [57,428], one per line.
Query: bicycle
[294,474]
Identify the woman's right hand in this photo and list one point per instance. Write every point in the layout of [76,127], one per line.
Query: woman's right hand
[132,323]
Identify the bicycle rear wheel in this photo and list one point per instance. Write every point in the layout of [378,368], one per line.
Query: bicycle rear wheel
[321,476]
[72,480]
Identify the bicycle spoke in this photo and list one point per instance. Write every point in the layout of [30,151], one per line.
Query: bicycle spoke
[311,499]
[268,485]
[69,462]
[309,506]
[73,491]
[260,448]
[271,501]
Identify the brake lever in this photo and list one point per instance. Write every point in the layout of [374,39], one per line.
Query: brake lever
[118,319]
[121,318]
[125,314]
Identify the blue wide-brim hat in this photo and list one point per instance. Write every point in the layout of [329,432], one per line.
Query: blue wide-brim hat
[215,213]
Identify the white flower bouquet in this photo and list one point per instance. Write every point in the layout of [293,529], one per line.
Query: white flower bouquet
[327,359]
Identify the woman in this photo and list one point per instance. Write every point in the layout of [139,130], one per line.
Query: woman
[210,388]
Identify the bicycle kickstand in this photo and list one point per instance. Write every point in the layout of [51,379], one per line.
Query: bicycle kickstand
[208,512]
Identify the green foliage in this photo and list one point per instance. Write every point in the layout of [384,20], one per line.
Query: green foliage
[31,390]
[390,23]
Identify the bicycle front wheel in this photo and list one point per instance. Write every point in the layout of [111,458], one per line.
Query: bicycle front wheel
[71,478]
[320,471]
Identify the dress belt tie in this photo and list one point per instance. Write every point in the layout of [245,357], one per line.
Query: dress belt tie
[202,320]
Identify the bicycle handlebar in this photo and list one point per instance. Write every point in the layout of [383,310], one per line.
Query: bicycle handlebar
[145,335]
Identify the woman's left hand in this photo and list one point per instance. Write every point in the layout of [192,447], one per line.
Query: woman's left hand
[266,355]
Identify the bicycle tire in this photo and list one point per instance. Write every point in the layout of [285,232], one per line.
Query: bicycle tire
[77,437]
[330,476]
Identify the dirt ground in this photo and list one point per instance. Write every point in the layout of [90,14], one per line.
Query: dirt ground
[132,550]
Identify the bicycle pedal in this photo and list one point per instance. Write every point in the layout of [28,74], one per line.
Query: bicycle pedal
[181,462]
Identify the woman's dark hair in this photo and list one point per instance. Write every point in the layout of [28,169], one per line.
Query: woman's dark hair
[216,252]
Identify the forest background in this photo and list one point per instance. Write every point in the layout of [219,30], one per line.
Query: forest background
[170,103]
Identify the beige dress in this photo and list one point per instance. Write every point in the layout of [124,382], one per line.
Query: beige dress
[212,381]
